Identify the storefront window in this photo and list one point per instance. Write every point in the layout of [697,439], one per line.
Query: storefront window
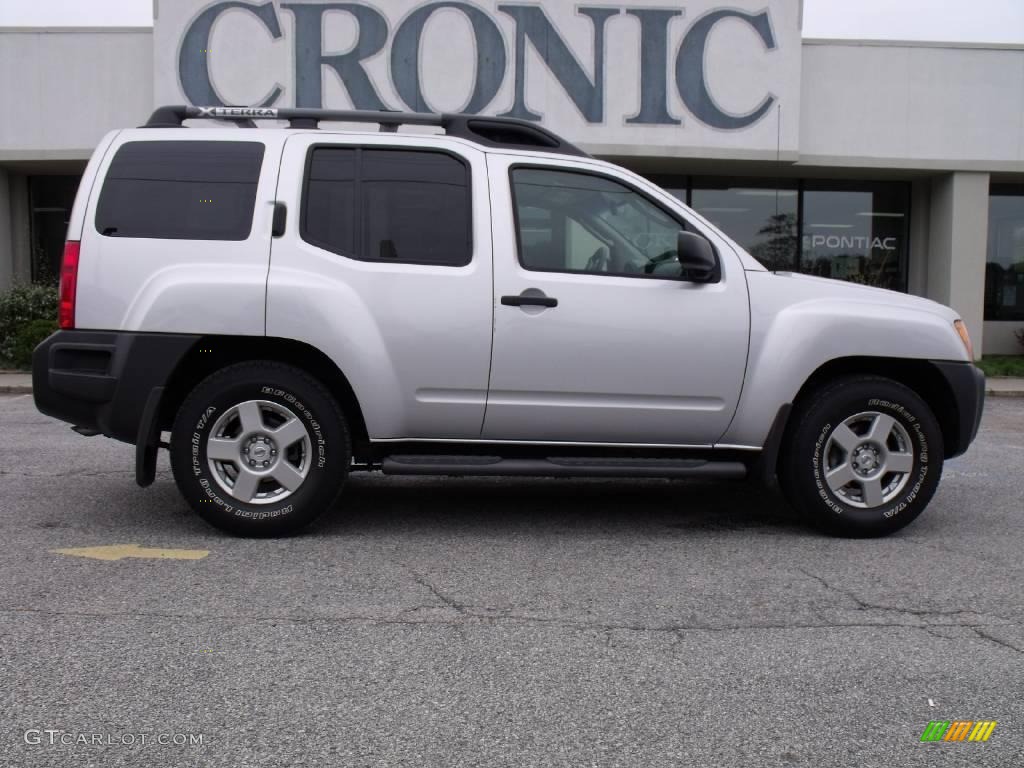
[1004,270]
[856,231]
[51,198]
[847,230]
[761,216]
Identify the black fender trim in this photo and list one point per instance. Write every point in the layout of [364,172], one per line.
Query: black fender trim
[967,384]
[764,466]
[104,380]
[148,440]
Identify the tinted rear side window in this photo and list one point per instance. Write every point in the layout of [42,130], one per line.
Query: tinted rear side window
[396,205]
[416,207]
[329,216]
[181,190]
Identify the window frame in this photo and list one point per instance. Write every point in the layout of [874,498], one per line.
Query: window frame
[358,215]
[252,215]
[684,225]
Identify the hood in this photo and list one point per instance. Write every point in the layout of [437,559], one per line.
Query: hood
[809,286]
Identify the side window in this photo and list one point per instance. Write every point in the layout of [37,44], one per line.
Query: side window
[181,190]
[415,207]
[578,222]
[329,210]
[407,206]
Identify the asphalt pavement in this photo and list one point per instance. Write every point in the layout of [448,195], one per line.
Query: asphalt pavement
[503,622]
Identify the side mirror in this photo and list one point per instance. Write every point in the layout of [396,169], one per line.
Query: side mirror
[697,257]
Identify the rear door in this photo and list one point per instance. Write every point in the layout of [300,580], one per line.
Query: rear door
[385,266]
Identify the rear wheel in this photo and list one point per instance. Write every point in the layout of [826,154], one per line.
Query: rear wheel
[863,457]
[260,449]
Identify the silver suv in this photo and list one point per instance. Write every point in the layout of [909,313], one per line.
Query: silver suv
[295,304]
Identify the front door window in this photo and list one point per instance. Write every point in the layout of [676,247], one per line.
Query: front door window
[577,222]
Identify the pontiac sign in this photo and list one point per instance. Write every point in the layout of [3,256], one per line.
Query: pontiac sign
[691,77]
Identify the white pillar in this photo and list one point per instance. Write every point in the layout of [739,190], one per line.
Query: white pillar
[957,244]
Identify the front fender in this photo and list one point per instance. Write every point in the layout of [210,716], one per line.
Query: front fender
[796,330]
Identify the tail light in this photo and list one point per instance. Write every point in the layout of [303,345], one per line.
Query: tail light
[68,284]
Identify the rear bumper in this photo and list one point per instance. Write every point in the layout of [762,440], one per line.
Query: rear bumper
[967,383]
[102,380]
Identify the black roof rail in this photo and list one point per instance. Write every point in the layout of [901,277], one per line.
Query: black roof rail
[504,132]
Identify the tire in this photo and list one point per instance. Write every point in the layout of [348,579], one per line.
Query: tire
[862,458]
[280,422]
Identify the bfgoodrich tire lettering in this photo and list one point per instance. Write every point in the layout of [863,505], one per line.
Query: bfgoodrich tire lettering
[260,449]
[863,457]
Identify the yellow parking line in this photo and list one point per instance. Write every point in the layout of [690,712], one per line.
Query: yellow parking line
[121,551]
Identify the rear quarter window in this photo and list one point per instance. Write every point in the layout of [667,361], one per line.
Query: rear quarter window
[389,205]
[181,190]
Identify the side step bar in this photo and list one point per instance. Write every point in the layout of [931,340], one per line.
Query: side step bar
[561,467]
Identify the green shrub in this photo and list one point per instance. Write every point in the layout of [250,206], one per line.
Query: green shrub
[19,307]
[27,338]
[1002,365]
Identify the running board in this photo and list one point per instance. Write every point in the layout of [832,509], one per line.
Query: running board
[561,467]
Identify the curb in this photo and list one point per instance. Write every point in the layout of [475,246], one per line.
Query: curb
[15,389]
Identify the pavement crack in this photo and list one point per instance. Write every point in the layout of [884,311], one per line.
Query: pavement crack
[449,602]
[469,618]
[861,605]
[993,639]
[72,473]
[864,605]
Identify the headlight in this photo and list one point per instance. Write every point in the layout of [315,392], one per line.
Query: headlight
[965,337]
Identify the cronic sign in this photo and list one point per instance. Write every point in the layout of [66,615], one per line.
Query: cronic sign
[707,68]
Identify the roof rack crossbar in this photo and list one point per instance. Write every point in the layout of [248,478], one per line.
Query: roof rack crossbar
[490,131]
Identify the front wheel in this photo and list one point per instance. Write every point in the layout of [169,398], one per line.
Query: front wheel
[863,457]
[260,449]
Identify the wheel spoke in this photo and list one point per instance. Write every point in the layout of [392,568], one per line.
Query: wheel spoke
[288,433]
[245,484]
[872,491]
[839,476]
[846,438]
[881,429]
[899,462]
[222,449]
[250,416]
[287,475]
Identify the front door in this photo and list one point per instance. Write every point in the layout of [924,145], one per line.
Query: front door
[598,338]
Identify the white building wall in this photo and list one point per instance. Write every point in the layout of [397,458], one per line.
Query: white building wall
[912,105]
[69,87]
[1001,338]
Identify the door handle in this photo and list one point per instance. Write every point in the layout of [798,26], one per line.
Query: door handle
[278,222]
[529,301]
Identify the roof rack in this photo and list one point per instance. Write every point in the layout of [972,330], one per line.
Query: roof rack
[504,132]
